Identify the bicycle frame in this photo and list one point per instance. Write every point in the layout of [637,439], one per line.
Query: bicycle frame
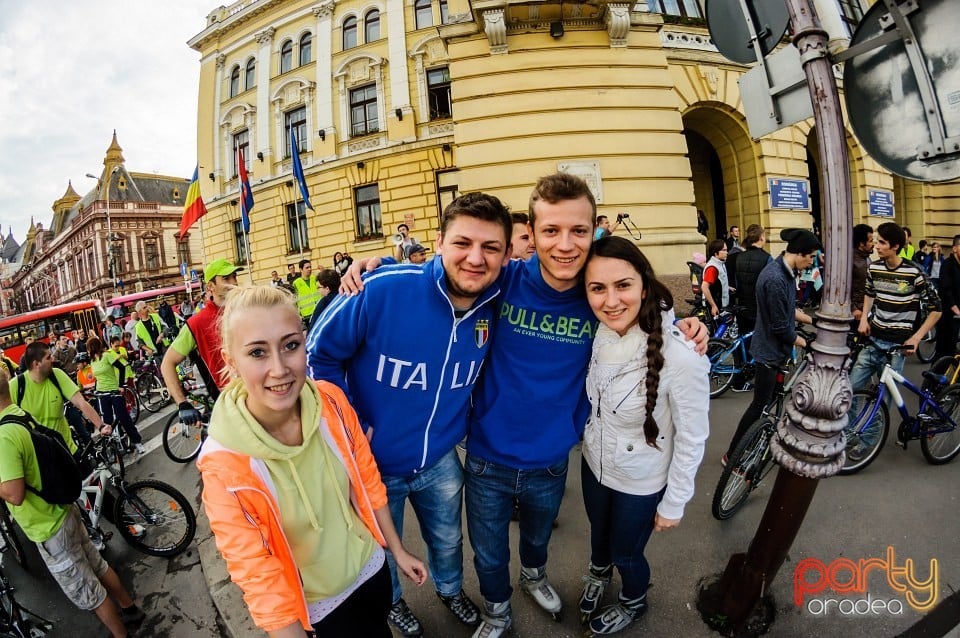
[890,380]
[95,485]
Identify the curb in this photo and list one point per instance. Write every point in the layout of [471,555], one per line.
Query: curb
[227,597]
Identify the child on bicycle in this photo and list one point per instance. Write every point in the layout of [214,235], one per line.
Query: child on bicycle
[108,370]
[116,346]
[641,372]
[293,494]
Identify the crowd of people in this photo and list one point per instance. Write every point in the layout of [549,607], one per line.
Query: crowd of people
[307,470]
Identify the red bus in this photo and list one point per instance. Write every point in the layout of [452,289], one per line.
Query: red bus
[37,324]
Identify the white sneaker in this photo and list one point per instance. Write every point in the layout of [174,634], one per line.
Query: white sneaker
[140,449]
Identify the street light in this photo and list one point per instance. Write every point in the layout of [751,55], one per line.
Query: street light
[110,251]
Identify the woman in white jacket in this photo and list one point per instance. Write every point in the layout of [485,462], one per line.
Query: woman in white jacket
[644,439]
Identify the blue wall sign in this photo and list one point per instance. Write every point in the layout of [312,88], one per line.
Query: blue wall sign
[880,203]
[789,194]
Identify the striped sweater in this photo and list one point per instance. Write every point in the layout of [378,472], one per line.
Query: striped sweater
[902,296]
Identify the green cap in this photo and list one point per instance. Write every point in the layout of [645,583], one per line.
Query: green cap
[219,268]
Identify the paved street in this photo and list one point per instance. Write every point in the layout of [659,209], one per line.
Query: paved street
[172,591]
[899,502]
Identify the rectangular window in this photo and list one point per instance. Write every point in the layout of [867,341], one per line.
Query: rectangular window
[296,120]
[238,243]
[240,141]
[183,252]
[363,110]
[116,257]
[444,12]
[684,8]
[297,228]
[367,201]
[151,255]
[438,90]
[423,13]
[851,12]
[447,184]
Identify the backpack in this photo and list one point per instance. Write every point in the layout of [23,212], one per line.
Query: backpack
[60,476]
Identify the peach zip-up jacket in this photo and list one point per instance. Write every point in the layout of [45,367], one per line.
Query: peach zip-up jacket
[241,504]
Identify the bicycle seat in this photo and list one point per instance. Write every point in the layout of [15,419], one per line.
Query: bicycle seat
[939,379]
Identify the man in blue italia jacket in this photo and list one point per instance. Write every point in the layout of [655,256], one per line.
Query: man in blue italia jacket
[413,394]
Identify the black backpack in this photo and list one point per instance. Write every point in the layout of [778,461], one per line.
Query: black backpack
[60,477]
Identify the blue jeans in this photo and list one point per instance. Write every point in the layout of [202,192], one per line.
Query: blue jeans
[871,361]
[436,495]
[620,526]
[490,493]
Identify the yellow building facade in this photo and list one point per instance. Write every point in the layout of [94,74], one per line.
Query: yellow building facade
[399,105]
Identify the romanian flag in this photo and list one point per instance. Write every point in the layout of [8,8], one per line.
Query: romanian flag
[193,208]
[246,195]
[298,168]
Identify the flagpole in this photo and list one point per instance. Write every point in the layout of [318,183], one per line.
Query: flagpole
[246,242]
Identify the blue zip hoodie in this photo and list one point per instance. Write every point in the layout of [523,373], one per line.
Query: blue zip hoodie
[531,405]
[407,362]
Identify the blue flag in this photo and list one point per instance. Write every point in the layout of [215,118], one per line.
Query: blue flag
[246,195]
[298,169]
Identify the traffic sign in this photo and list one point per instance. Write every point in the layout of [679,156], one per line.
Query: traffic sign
[183,269]
[903,95]
[727,21]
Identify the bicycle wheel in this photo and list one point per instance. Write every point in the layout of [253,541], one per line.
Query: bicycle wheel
[132,402]
[942,447]
[153,394]
[155,518]
[745,468]
[182,442]
[11,538]
[865,440]
[724,364]
[927,349]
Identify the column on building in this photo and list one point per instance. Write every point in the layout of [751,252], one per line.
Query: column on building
[262,130]
[397,45]
[324,69]
[217,92]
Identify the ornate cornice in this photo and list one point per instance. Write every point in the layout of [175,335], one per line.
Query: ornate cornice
[495,26]
[265,36]
[618,24]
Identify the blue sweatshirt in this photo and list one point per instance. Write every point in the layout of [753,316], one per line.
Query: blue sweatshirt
[530,406]
[406,361]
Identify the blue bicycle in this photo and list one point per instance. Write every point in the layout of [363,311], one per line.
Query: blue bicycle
[935,422]
[732,359]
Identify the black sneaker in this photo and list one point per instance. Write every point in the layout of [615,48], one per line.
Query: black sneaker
[132,615]
[403,619]
[462,607]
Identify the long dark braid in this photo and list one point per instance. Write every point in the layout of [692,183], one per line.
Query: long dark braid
[650,320]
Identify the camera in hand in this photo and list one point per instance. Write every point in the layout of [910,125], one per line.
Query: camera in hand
[622,216]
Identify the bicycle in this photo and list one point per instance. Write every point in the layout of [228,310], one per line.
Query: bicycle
[723,326]
[16,621]
[934,425]
[149,384]
[11,538]
[751,459]
[181,441]
[151,516]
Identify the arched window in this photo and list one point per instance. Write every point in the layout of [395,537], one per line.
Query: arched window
[349,33]
[251,74]
[371,26]
[235,81]
[306,44]
[286,56]
[423,11]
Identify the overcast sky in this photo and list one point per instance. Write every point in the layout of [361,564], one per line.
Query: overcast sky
[72,72]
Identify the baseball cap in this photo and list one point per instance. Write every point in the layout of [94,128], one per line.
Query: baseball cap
[413,248]
[219,268]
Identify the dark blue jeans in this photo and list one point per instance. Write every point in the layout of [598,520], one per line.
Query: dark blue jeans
[114,412]
[490,491]
[436,495]
[620,526]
